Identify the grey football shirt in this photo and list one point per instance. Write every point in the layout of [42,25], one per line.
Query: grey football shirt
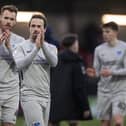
[113,58]
[35,64]
[9,80]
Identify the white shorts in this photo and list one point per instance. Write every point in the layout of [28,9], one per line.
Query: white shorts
[110,106]
[36,113]
[9,108]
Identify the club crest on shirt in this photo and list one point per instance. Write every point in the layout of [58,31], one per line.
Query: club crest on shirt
[119,52]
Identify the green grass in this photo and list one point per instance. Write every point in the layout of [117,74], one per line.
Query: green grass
[21,122]
[84,123]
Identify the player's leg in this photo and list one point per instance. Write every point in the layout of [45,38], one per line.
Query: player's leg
[33,113]
[46,113]
[105,122]
[118,120]
[7,124]
[119,110]
[9,110]
[104,109]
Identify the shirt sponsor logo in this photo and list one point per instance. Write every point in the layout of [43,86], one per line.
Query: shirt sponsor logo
[28,51]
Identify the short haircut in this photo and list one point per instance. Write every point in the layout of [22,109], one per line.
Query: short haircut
[111,25]
[11,8]
[69,40]
[39,16]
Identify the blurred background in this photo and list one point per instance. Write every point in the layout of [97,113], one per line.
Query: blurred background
[83,17]
[77,16]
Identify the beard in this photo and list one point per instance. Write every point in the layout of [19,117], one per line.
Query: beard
[7,27]
[34,35]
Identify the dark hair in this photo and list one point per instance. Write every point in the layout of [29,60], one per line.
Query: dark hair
[40,16]
[68,40]
[111,25]
[10,8]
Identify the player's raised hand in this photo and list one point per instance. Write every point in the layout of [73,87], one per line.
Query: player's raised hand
[7,40]
[40,39]
[5,36]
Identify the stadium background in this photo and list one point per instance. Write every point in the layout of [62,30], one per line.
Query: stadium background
[77,16]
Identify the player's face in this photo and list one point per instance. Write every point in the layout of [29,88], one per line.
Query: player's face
[36,26]
[109,35]
[75,47]
[7,20]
